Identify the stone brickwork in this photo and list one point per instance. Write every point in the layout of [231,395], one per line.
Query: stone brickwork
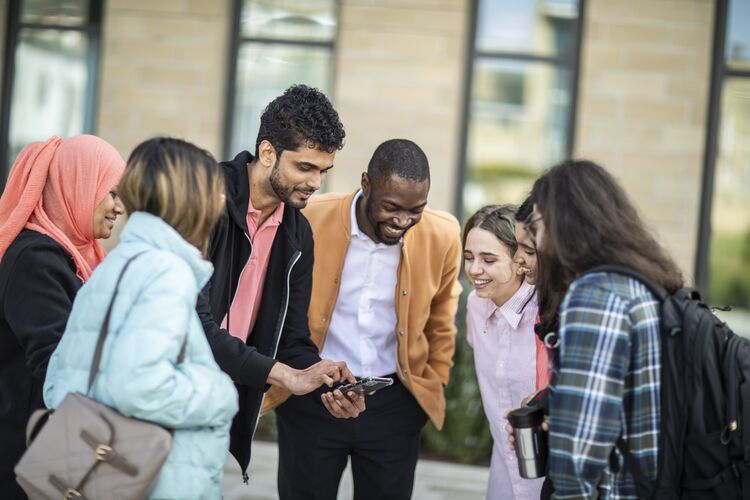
[643,102]
[399,73]
[163,71]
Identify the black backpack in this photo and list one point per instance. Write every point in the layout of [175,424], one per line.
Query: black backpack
[704,441]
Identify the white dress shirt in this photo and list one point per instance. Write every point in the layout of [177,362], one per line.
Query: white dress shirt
[362,331]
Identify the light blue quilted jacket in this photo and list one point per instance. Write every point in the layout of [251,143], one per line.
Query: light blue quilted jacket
[139,375]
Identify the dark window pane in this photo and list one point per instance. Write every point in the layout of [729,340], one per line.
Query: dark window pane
[49,88]
[729,282]
[737,45]
[538,27]
[306,20]
[281,66]
[58,12]
[519,117]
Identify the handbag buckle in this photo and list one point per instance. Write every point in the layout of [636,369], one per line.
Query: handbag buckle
[102,451]
[71,493]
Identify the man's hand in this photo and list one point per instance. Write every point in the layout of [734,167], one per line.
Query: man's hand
[340,406]
[299,382]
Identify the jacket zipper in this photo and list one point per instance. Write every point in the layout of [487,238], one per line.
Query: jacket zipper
[295,258]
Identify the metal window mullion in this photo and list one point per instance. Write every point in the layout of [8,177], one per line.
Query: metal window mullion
[94,37]
[735,73]
[463,147]
[274,41]
[58,27]
[525,57]
[231,84]
[14,13]
[711,149]
[575,70]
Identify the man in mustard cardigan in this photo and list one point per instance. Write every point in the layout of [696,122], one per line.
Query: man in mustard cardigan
[384,299]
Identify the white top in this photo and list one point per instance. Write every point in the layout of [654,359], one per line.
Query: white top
[363,324]
[505,363]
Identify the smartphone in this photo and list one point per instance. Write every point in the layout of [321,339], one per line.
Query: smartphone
[366,386]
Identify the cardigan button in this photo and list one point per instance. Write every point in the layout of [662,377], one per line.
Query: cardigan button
[401,333]
[404,293]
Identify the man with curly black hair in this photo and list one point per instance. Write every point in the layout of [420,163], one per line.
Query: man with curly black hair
[254,308]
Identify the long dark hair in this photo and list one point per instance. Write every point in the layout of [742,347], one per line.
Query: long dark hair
[588,221]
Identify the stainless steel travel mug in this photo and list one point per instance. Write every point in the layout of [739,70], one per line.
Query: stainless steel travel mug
[531,440]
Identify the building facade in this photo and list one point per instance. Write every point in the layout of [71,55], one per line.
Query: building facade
[494,91]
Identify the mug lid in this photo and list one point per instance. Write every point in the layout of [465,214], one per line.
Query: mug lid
[526,416]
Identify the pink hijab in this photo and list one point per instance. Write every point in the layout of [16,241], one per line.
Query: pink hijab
[54,188]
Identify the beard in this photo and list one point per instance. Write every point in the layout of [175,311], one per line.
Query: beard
[377,227]
[282,191]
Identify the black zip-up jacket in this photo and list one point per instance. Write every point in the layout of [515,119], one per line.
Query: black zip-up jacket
[280,330]
[38,283]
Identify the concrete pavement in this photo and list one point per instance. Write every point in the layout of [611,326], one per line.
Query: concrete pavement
[433,481]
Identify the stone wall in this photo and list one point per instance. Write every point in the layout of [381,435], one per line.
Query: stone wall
[399,73]
[643,102]
[163,71]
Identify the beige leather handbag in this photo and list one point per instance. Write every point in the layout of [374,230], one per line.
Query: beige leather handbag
[89,450]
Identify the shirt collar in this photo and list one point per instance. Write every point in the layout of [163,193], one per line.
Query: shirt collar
[355,231]
[513,310]
[273,220]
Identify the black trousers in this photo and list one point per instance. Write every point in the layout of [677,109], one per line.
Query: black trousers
[383,443]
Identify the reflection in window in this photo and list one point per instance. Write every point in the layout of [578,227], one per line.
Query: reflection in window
[282,42]
[737,46]
[521,96]
[540,27]
[54,72]
[55,12]
[729,282]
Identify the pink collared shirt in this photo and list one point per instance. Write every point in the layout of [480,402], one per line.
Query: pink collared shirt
[244,308]
[504,346]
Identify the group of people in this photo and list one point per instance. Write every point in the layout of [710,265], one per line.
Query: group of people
[245,295]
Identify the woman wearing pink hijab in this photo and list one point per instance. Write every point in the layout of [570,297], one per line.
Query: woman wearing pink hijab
[61,196]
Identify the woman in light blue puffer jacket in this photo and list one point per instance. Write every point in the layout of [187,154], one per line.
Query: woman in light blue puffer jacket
[181,186]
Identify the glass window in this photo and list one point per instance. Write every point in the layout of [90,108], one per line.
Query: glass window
[521,97]
[289,19]
[54,71]
[287,42]
[50,86]
[539,27]
[59,12]
[729,282]
[737,46]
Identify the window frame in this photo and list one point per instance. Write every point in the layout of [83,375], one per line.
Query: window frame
[570,61]
[237,40]
[720,72]
[92,28]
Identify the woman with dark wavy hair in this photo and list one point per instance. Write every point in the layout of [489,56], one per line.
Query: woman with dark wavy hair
[607,380]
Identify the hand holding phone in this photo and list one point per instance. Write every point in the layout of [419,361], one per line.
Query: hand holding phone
[366,386]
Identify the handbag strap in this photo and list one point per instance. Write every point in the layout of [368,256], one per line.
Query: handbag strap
[105,326]
[105,329]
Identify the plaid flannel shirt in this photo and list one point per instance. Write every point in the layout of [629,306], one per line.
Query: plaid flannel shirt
[608,383]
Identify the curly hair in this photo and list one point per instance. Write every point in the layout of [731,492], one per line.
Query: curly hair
[302,115]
